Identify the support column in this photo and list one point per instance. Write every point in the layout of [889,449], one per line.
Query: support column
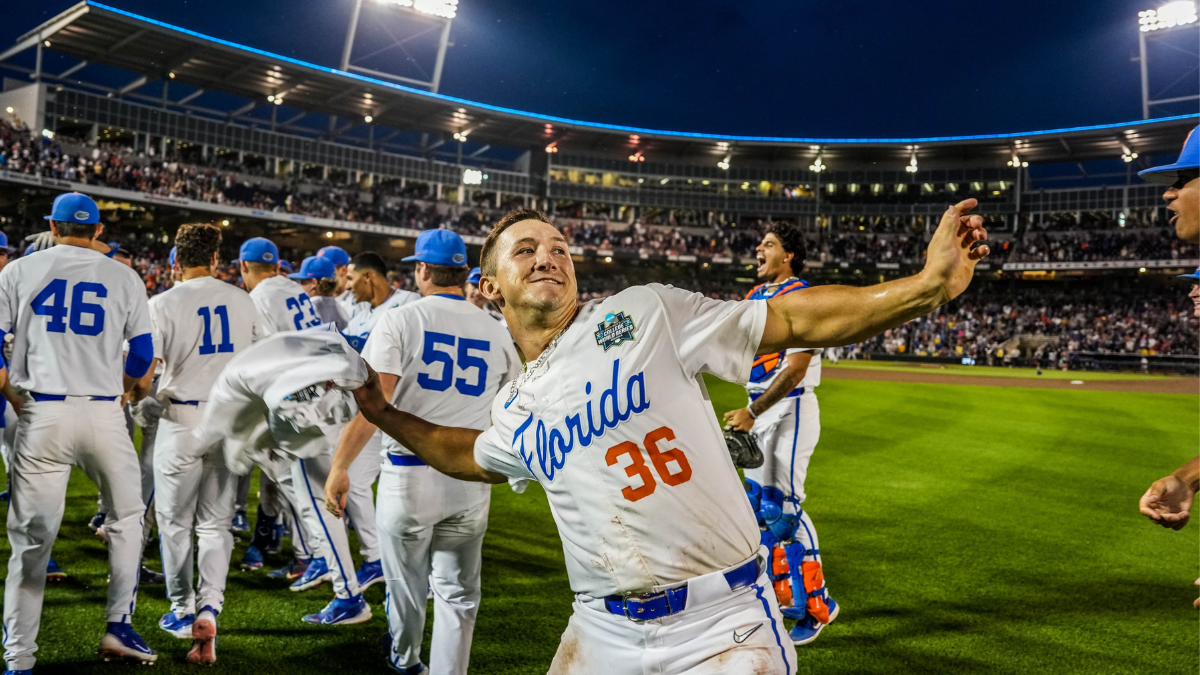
[497,200]
[437,191]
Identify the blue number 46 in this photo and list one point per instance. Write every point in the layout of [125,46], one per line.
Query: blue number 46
[431,355]
[51,302]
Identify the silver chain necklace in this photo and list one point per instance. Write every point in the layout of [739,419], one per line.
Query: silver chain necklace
[530,369]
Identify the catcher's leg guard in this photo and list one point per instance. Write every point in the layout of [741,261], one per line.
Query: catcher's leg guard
[754,493]
[807,578]
[780,573]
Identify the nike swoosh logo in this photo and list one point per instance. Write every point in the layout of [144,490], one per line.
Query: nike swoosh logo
[745,636]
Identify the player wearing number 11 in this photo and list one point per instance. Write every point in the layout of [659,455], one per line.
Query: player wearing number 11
[611,417]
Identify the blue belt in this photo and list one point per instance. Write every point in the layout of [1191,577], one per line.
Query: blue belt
[673,600]
[178,402]
[794,394]
[406,460]
[62,397]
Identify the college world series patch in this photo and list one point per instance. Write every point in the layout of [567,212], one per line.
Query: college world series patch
[616,329]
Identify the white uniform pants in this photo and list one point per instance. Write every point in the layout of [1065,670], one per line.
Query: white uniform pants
[52,437]
[9,438]
[278,499]
[787,433]
[194,502]
[720,632]
[327,536]
[360,501]
[432,529]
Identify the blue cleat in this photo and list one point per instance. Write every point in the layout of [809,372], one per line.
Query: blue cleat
[179,626]
[294,569]
[370,573]
[4,498]
[120,641]
[54,572]
[27,671]
[240,523]
[339,611]
[416,669]
[314,575]
[253,560]
[807,629]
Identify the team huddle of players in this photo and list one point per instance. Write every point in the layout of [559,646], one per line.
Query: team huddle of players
[455,410]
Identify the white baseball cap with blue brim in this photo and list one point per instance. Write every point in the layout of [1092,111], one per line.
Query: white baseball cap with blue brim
[1189,160]
[74,207]
[440,247]
[259,250]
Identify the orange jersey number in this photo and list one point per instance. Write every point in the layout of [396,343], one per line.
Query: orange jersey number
[661,459]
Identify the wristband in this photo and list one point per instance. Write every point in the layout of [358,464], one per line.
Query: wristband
[751,411]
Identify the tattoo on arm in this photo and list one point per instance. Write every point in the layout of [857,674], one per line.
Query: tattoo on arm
[783,385]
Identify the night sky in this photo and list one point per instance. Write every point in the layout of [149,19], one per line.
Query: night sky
[820,68]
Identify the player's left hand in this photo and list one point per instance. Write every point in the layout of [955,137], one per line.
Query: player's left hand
[1168,502]
[952,253]
[739,419]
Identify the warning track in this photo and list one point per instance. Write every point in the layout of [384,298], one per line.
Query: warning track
[1166,385]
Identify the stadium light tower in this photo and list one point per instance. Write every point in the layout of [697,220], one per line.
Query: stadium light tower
[1163,25]
[420,18]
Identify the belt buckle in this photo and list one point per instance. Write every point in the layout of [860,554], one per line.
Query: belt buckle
[639,599]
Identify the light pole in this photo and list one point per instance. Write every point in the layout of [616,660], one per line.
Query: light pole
[1155,24]
[424,17]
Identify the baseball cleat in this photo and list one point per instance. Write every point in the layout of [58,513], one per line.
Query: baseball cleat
[149,576]
[204,638]
[339,611]
[807,630]
[294,569]
[314,575]
[416,669]
[275,543]
[370,573]
[4,498]
[253,560]
[240,523]
[27,671]
[54,572]
[120,641]
[179,626]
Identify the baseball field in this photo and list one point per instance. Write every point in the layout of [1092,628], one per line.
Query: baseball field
[965,528]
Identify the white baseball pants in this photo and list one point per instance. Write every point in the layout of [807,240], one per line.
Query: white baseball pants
[718,633]
[432,529]
[194,493]
[787,433]
[277,497]
[327,535]
[360,501]
[53,436]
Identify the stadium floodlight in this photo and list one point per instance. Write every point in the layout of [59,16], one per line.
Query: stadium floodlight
[912,164]
[1178,13]
[420,14]
[446,9]
[472,177]
[368,119]
[637,157]
[817,166]
[1016,162]
[552,148]
[724,164]
[461,136]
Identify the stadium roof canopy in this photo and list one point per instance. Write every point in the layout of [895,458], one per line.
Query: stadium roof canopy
[153,50]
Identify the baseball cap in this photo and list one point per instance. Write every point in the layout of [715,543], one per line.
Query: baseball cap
[285,266]
[171,257]
[74,207]
[473,276]
[3,240]
[1194,275]
[336,255]
[440,247]
[1189,158]
[315,267]
[258,249]
[30,250]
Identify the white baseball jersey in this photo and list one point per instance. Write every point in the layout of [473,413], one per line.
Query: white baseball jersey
[616,425]
[282,306]
[71,310]
[198,327]
[329,310]
[451,358]
[365,316]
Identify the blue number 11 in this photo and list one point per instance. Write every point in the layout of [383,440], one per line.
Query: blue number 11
[206,343]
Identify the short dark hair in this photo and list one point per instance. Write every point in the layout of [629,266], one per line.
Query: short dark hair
[370,261]
[82,230]
[792,239]
[444,275]
[256,267]
[123,253]
[195,244]
[487,257]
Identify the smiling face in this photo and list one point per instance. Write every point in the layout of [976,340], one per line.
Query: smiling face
[1183,201]
[773,261]
[359,283]
[533,269]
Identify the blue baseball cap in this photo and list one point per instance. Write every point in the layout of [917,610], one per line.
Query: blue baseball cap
[285,266]
[74,207]
[3,240]
[336,255]
[440,247]
[29,250]
[473,276]
[259,250]
[315,267]
[171,257]
[1194,275]
[1189,158]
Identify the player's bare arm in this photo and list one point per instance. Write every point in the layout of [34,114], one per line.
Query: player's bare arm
[1168,502]
[141,386]
[450,450]
[354,438]
[742,419]
[831,316]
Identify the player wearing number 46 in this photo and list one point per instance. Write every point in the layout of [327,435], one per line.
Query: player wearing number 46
[612,418]
[70,309]
[199,325]
[443,359]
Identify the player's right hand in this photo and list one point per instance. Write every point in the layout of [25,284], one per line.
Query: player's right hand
[337,485]
[370,398]
[1168,502]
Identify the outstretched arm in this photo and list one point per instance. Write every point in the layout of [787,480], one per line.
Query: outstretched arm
[1168,502]
[831,316]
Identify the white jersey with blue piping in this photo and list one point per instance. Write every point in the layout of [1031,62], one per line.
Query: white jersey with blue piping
[615,423]
[71,310]
[768,366]
[364,318]
[283,306]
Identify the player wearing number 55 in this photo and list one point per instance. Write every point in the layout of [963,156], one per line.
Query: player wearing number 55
[71,309]
[611,417]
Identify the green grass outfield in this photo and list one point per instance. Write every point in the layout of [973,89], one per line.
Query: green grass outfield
[992,371]
[964,529]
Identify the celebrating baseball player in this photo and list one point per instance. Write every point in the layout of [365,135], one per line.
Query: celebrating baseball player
[785,419]
[341,267]
[318,278]
[443,359]
[662,548]
[71,309]
[199,325]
